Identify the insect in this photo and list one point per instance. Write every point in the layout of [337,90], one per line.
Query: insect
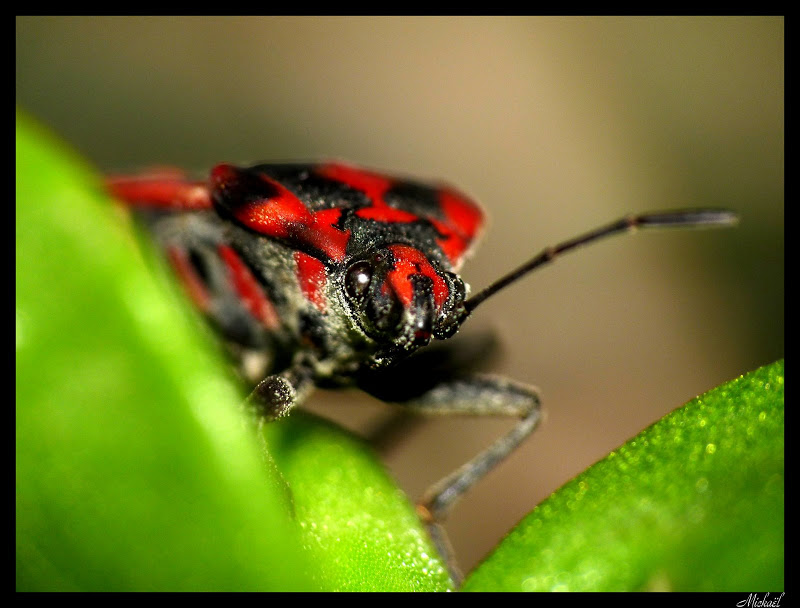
[331,275]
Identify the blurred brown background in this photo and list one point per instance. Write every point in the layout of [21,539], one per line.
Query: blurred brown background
[555,124]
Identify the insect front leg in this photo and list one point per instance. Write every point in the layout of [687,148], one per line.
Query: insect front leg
[276,395]
[475,395]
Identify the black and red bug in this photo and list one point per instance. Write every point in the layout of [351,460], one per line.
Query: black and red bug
[330,275]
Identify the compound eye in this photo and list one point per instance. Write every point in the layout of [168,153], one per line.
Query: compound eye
[357,280]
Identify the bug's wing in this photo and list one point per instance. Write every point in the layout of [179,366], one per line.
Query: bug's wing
[162,188]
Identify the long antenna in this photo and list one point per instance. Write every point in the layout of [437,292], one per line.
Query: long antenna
[680,218]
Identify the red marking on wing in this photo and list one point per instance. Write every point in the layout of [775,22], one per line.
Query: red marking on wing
[249,290]
[465,216]
[283,216]
[188,276]
[407,262]
[162,189]
[374,186]
[464,219]
[311,277]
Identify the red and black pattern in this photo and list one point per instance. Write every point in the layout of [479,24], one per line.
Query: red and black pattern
[321,219]
[334,210]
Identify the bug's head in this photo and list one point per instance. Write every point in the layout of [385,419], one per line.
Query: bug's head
[401,301]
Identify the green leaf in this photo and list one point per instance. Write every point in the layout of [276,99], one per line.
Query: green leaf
[136,468]
[693,503]
[363,533]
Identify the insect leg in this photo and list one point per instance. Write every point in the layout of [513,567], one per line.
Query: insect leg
[276,395]
[476,396]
